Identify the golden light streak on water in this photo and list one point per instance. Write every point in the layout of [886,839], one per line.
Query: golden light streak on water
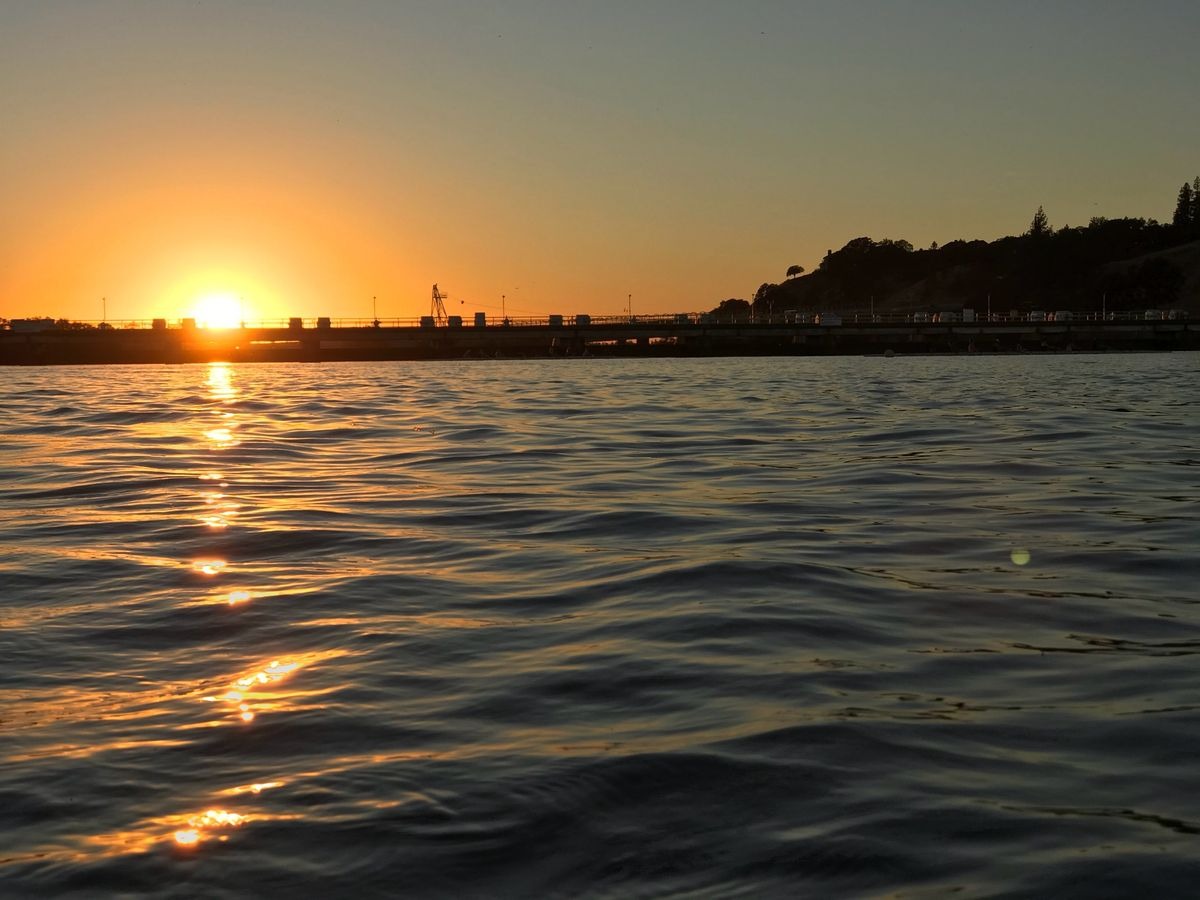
[272,672]
[220,381]
[185,832]
[254,692]
[256,788]
[208,824]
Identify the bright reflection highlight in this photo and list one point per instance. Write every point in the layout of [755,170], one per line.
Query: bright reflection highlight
[246,692]
[273,672]
[259,690]
[209,566]
[256,788]
[220,381]
[222,437]
[199,827]
[236,597]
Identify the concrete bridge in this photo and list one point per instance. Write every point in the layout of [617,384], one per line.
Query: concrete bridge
[678,335]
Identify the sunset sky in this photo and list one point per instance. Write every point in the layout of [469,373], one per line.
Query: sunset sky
[307,156]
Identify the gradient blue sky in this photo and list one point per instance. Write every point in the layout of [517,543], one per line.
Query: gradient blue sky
[309,156]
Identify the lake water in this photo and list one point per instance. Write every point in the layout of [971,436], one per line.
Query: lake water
[829,627]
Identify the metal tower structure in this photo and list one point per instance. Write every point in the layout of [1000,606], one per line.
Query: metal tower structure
[437,306]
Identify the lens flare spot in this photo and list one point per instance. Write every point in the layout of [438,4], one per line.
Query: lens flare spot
[1020,556]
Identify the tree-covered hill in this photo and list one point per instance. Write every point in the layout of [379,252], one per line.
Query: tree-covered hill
[1118,263]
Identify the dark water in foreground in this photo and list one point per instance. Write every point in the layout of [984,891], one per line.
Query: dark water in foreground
[704,628]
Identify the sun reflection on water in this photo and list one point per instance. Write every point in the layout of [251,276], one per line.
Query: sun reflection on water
[256,788]
[258,690]
[221,389]
[209,566]
[220,381]
[207,825]
[221,437]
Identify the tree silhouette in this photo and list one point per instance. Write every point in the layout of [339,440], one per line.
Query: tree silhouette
[793,271]
[763,289]
[731,309]
[1184,205]
[1040,226]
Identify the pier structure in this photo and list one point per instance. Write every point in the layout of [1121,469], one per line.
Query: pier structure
[683,334]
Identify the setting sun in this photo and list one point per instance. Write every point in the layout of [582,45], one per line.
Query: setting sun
[218,310]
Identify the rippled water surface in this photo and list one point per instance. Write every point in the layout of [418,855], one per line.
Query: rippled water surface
[703,628]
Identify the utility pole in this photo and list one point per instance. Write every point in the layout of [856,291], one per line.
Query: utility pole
[374,312]
[629,305]
[103,310]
